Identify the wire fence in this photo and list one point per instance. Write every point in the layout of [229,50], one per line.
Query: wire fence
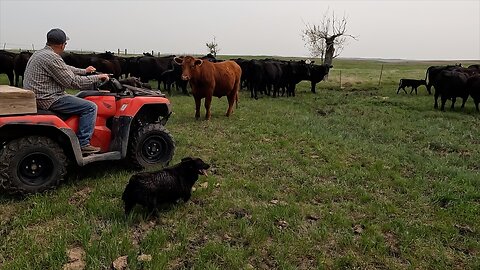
[18,47]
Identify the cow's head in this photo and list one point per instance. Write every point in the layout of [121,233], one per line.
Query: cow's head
[189,66]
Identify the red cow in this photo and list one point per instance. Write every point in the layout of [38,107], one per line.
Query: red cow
[209,79]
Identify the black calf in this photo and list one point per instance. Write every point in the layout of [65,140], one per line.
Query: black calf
[410,83]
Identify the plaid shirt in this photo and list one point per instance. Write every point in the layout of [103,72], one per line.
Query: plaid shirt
[48,76]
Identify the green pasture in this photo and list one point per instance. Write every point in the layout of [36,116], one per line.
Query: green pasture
[352,177]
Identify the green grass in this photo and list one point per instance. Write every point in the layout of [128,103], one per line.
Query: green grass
[351,177]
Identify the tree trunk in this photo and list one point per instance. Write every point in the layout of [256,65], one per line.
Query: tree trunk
[330,50]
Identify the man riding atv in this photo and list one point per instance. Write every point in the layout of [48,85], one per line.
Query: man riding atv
[37,148]
[48,76]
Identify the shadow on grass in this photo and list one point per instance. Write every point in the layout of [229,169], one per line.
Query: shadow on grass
[99,170]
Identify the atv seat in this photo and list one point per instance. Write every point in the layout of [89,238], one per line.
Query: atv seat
[63,116]
[87,93]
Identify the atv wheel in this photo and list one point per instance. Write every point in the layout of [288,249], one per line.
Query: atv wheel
[151,145]
[31,164]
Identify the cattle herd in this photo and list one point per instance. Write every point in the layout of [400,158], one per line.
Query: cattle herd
[267,76]
[450,82]
[271,77]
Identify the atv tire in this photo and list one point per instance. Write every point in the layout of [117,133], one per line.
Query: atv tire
[151,144]
[31,164]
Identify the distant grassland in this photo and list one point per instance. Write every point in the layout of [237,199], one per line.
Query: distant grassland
[351,177]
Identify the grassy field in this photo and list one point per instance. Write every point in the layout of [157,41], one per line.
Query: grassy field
[353,177]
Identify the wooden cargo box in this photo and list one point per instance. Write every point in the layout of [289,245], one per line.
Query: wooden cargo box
[14,100]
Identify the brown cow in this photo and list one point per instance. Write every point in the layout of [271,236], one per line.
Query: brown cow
[209,79]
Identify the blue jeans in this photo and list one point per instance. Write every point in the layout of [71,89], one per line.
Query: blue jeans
[87,111]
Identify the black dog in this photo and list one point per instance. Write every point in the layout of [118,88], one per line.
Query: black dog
[152,189]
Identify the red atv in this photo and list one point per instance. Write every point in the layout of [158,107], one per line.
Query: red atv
[36,149]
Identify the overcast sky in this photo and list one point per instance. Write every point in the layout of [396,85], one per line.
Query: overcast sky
[441,30]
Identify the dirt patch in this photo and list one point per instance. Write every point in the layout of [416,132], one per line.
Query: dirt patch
[7,213]
[139,231]
[325,111]
[76,259]
[238,213]
[445,149]
[79,197]
[391,241]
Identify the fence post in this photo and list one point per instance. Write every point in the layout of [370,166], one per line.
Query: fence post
[125,51]
[380,79]
[340,79]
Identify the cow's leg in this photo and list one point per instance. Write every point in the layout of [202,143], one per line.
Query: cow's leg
[435,98]
[208,102]
[10,78]
[413,88]
[429,88]
[276,89]
[231,100]
[313,87]
[464,100]
[184,89]
[443,99]
[398,90]
[476,104]
[453,103]
[17,77]
[198,102]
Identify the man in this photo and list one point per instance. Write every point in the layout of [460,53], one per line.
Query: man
[48,76]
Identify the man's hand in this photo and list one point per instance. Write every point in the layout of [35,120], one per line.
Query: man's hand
[90,69]
[103,77]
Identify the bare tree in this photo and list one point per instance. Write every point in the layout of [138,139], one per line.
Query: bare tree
[327,39]
[213,47]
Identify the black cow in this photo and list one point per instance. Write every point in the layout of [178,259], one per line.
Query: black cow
[107,62]
[296,71]
[6,64]
[151,67]
[450,85]
[432,73]
[104,62]
[475,67]
[209,57]
[77,60]
[243,63]
[473,88]
[266,75]
[317,74]
[256,77]
[172,76]
[414,84]
[131,66]
[19,64]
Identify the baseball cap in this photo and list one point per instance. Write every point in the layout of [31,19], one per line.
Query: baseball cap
[56,36]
